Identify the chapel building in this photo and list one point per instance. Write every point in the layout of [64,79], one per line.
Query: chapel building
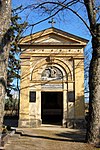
[52,79]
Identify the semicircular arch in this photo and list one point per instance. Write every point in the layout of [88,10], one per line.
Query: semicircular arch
[38,68]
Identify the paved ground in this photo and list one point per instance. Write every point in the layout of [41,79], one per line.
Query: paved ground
[48,138]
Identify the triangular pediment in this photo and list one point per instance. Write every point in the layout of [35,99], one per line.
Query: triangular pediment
[53,36]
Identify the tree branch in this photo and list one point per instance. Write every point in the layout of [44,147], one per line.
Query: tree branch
[91,11]
[63,6]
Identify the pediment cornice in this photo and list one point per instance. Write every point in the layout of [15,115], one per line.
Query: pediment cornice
[52,36]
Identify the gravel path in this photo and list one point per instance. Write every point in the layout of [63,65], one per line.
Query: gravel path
[48,138]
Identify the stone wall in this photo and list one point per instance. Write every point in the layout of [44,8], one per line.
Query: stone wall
[37,62]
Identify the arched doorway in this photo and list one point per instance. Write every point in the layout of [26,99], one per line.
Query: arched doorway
[52,96]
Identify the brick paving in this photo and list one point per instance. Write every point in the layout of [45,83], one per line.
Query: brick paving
[48,138]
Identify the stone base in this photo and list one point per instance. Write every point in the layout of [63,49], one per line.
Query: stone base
[76,123]
[64,123]
[29,123]
[69,123]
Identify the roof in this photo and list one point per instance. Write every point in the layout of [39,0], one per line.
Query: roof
[52,36]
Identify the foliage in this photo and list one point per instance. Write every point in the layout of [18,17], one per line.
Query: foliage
[13,71]
[11,104]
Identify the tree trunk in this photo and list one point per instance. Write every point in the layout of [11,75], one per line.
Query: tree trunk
[93,133]
[5,15]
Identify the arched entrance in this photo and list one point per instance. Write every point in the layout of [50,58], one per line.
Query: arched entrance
[52,95]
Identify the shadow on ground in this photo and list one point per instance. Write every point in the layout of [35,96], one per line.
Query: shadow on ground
[76,136]
[70,136]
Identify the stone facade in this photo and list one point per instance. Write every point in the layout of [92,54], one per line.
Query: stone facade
[52,79]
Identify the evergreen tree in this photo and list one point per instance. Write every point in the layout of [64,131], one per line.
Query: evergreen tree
[13,72]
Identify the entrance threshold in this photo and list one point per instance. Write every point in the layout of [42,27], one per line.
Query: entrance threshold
[51,126]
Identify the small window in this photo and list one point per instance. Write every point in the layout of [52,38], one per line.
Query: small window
[70,95]
[32,96]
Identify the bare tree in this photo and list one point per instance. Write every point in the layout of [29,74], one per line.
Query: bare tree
[92,9]
[5,15]
[93,134]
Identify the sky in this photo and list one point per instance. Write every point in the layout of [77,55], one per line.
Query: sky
[70,23]
[66,22]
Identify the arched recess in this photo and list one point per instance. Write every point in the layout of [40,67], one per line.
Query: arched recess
[41,65]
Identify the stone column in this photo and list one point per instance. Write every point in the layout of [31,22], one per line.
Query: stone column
[64,105]
[24,97]
[38,98]
[79,94]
